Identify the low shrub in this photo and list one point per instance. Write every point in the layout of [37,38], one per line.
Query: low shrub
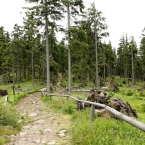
[143,107]
[69,109]
[105,132]
[2,140]
[142,94]
[129,93]
[8,116]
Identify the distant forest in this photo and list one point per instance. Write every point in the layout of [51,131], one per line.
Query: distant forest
[32,51]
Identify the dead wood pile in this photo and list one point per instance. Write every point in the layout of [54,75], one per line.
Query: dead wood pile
[116,103]
[123,107]
[3,92]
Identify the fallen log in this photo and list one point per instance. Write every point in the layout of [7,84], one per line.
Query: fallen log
[118,114]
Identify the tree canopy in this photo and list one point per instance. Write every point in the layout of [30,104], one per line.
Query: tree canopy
[33,50]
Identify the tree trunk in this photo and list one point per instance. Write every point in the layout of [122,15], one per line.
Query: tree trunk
[32,65]
[38,75]
[18,69]
[132,62]
[24,71]
[96,50]
[104,70]
[47,48]
[13,71]
[3,82]
[69,51]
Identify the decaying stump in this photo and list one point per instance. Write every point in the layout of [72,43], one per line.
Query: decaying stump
[98,97]
[123,107]
[115,103]
[3,92]
[115,89]
[113,85]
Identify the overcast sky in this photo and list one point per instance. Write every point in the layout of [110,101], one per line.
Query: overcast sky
[122,16]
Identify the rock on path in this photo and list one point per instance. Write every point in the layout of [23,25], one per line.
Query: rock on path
[44,127]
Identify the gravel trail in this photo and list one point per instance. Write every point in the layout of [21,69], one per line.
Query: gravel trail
[43,127]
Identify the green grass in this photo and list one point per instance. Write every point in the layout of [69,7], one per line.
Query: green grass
[99,132]
[8,123]
[8,116]
[18,95]
[6,131]
[3,140]
[106,132]
[102,131]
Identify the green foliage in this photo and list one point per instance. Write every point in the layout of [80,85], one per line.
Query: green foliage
[142,94]
[8,116]
[105,132]
[143,107]
[129,93]
[2,140]
[18,98]
[64,82]
[6,131]
[69,109]
[102,131]
[54,103]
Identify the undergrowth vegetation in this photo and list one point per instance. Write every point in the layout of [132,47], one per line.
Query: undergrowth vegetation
[106,132]
[8,122]
[9,118]
[102,131]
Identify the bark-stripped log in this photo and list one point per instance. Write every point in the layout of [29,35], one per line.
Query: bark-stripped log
[120,115]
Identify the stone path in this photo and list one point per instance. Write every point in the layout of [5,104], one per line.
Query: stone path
[43,127]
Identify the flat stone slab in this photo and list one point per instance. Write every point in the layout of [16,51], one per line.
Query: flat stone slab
[41,121]
[61,134]
[33,114]
[23,114]
[62,131]
[23,133]
[52,143]
[36,140]
[26,127]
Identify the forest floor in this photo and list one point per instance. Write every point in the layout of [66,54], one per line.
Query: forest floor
[42,125]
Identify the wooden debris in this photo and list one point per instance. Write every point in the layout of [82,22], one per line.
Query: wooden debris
[115,103]
[3,92]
